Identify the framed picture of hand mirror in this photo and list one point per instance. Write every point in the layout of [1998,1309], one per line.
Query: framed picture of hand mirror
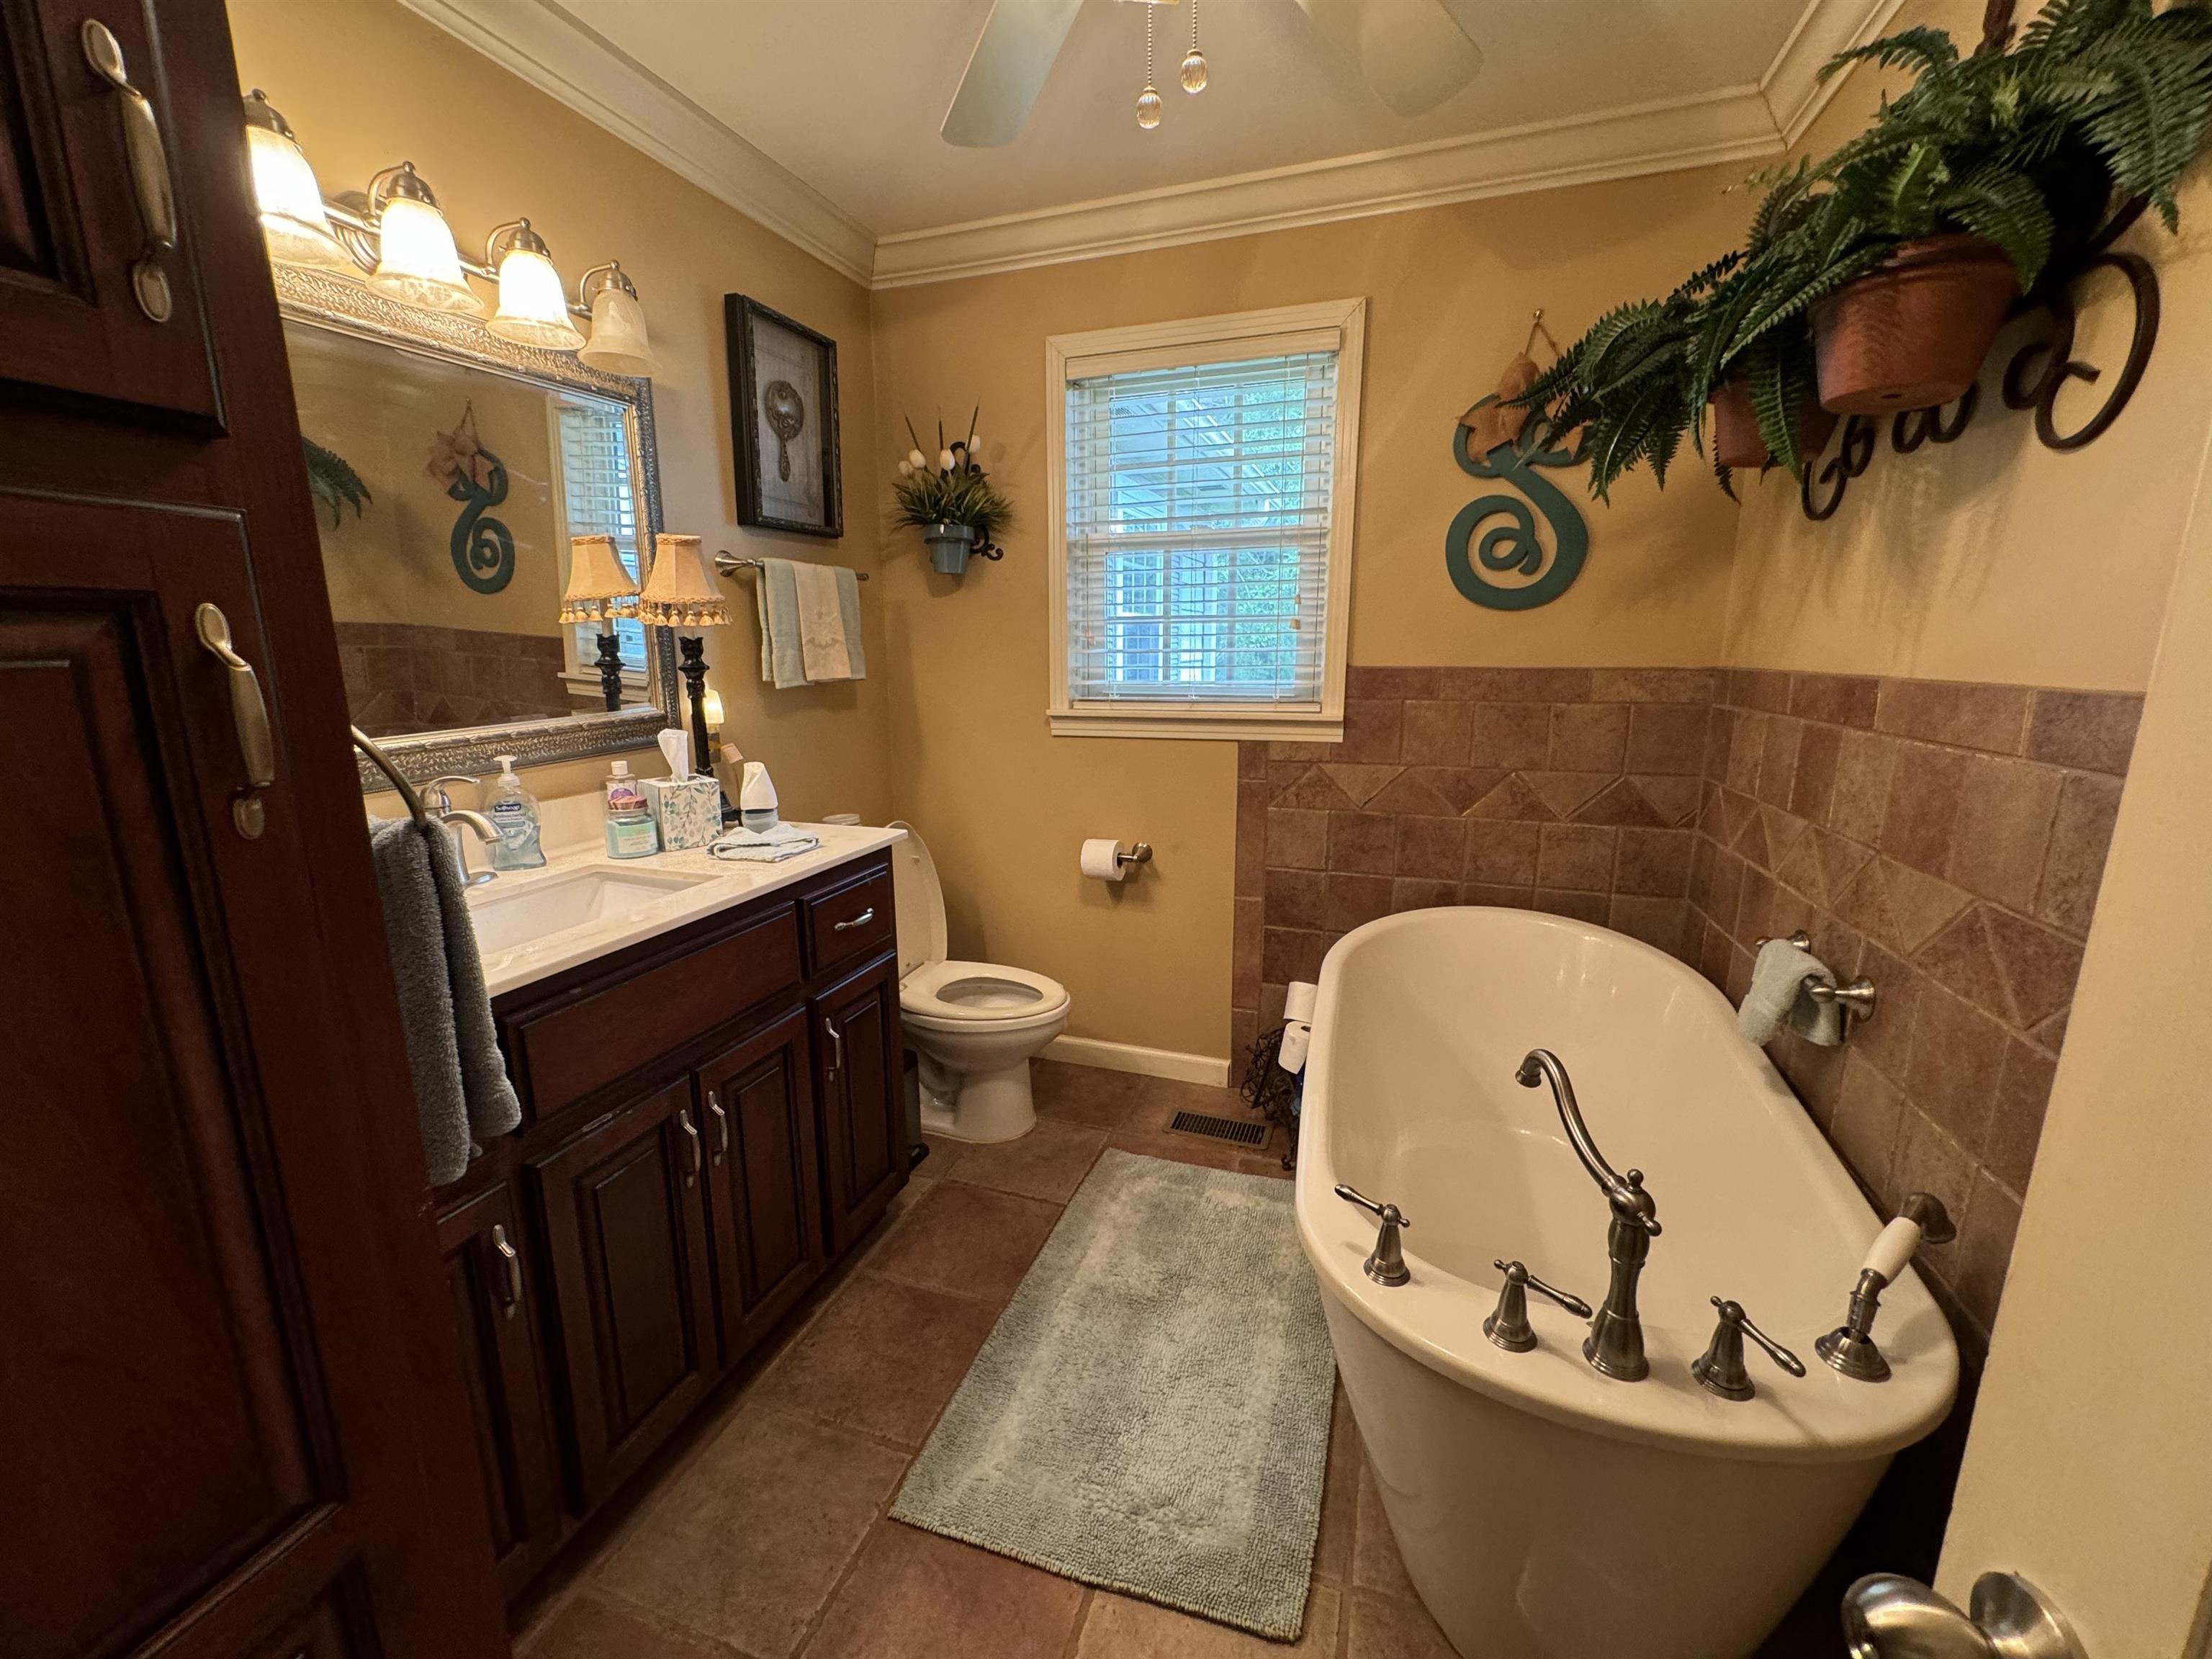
[453,471]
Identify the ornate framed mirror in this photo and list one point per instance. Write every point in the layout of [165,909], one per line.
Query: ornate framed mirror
[451,470]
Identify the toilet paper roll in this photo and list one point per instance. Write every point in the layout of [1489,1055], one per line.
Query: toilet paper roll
[1298,1002]
[1102,859]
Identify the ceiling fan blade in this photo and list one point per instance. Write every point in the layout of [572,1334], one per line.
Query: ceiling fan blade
[1006,71]
[1412,53]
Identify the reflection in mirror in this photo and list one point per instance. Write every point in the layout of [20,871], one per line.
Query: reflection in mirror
[448,493]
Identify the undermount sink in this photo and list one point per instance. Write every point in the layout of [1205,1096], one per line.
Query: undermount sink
[505,919]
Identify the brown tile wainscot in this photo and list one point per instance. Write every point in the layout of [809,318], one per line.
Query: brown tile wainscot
[1944,839]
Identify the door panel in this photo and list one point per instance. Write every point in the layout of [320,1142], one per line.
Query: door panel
[492,1282]
[92,307]
[763,1188]
[863,1113]
[626,1227]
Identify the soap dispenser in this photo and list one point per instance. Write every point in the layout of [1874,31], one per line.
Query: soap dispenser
[756,800]
[514,813]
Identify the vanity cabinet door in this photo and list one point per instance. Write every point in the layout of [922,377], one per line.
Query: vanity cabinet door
[491,1281]
[863,1113]
[626,1230]
[92,303]
[764,1191]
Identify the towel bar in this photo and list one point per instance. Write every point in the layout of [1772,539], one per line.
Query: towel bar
[729,564]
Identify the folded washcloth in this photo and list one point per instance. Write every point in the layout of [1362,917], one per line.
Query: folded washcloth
[809,623]
[769,845]
[1778,994]
[462,1094]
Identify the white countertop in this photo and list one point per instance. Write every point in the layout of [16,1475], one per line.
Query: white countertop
[708,885]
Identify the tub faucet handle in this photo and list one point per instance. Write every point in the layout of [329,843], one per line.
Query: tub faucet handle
[1386,1263]
[1720,1369]
[1509,1325]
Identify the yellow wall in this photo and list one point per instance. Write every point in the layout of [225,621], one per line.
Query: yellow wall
[367,83]
[1996,559]
[1004,804]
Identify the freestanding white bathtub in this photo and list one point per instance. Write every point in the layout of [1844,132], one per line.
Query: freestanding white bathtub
[1545,1512]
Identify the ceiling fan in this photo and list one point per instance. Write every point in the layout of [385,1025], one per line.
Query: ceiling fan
[1412,53]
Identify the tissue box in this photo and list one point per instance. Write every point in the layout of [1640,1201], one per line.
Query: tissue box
[687,814]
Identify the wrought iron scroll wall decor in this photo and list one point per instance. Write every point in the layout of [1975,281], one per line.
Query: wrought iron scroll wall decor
[2037,373]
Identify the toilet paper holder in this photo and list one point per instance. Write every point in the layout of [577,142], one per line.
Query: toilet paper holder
[1140,853]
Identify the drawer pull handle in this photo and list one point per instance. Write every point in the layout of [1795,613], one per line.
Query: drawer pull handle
[861,921]
[150,169]
[511,1259]
[249,713]
[721,1126]
[683,1122]
[837,1046]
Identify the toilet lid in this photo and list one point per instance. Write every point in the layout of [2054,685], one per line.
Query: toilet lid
[920,902]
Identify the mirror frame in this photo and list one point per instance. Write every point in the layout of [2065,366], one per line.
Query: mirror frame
[319,300]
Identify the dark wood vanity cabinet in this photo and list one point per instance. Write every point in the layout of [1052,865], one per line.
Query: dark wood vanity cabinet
[711,1119]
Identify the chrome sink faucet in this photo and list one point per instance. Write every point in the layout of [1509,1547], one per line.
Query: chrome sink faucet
[455,819]
[1615,1346]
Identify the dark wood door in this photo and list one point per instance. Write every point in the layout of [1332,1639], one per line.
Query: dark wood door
[863,1115]
[99,283]
[491,1282]
[764,1189]
[626,1230]
[206,1403]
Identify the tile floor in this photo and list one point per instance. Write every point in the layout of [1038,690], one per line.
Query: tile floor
[765,1537]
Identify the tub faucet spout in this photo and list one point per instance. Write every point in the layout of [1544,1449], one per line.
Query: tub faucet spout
[1616,1347]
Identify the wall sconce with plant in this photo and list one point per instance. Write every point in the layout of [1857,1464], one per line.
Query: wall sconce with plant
[953,503]
[1874,281]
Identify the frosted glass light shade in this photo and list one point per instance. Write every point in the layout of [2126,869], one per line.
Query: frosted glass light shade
[599,588]
[619,345]
[533,308]
[293,222]
[417,261]
[680,590]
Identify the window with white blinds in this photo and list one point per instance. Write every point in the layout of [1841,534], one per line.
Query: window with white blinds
[1203,532]
[598,498]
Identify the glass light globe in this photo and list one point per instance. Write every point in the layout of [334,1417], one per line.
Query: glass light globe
[1193,71]
[418,260]
[1148,109]
[533,306]
[291,203]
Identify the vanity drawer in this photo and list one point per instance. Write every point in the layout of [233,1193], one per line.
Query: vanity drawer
[853,919]
[572,1048]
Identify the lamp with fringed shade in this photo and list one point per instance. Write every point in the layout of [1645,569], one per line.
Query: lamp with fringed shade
[681,591]
[600,588]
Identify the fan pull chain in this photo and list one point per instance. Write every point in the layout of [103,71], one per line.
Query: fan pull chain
[1193,67]
[1148,101]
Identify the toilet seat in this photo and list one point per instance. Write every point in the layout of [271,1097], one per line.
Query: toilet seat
[935,995]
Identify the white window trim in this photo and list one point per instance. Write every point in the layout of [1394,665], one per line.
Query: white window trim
[1340,325]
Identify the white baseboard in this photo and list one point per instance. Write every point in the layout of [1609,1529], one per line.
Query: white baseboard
[1149,1062]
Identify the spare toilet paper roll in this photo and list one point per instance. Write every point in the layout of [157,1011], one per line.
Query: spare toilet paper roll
[1102,859]
[1298,1002]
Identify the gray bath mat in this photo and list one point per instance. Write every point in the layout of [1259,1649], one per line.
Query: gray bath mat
[1150,1414]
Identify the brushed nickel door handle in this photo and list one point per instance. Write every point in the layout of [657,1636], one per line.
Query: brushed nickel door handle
[836,1045]
[861,921]
[511,1259]
[249,713]
[150,169]
[683,1122]
[721,1126]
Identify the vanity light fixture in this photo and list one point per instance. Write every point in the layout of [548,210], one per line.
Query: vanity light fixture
[416,258]
[533,306]
[619,345]
[600,588]
[293,220]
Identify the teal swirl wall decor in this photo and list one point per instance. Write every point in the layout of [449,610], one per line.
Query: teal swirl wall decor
[484,548]
[1514,545]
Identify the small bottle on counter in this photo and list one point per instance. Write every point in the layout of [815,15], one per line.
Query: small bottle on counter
[630,831]
[756,799]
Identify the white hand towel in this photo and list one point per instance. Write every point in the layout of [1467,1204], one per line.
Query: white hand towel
[821,623]
[1778,994]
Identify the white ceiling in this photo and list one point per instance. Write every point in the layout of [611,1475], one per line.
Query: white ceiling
[821,117]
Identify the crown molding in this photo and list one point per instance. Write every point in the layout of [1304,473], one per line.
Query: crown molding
[554,52]
[1792,87]
[1731,126]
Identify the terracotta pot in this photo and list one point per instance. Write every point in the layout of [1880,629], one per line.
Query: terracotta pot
[1736,440]
[1912,333]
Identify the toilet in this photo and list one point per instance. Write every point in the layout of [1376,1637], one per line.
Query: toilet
[974,1024]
